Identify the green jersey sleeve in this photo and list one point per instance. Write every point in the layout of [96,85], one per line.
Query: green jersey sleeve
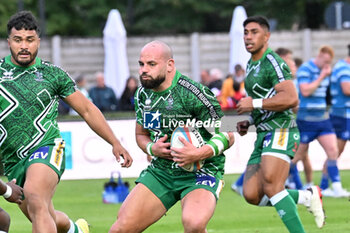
[279,71]
[62,82]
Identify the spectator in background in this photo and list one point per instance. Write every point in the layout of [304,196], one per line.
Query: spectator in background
[238,95]
[239,77]
[287,56]
[205,77]
[226,93]
[102,96]
[230,93]
[298,62]
[215,82]
[63,108]
[81,83]
[126,102]
[239,74]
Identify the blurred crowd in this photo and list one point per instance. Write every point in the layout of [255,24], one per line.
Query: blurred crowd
[104,96]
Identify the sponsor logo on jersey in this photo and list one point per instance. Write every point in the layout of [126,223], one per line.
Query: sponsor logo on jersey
[151,120]
[305,138]
[296,136]
[281,213]
[7,75]
[41,153]
[170,102]
[204,179]
[257,70]
[267,140]
[148,104]
[57,153]
[39,76]
[280,139]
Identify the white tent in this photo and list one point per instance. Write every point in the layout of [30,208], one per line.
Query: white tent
[116,69]
[238,53]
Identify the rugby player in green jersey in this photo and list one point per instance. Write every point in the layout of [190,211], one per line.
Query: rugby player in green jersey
[30,142]
[165,100]
[271,95]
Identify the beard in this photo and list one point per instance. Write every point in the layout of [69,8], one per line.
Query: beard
[25,62]
[153,83]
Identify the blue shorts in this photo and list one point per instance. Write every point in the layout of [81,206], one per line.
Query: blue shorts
[310,130]
[341,126]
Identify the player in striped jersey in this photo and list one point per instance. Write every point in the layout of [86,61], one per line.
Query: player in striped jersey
[271,95]
[340,110]
[313,119]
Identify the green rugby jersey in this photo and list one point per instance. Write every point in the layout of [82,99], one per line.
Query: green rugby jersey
[262,76]
[28,104]
[184,102]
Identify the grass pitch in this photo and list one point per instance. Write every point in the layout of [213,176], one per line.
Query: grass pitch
[83,199]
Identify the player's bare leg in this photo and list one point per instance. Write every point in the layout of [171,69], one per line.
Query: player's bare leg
[140,209]
[341,145]
[252,186]
[274,172]
[39,189]
[4,221]
[198,207]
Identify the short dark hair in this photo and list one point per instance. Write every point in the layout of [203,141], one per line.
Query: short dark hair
[261,20]
[79,78]
[238,67]
[283,51]
[298,61]
[23,20]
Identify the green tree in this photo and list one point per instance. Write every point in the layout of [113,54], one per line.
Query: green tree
[148,17]
[10,6]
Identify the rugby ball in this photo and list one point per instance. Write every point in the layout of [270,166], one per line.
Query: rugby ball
[191,135]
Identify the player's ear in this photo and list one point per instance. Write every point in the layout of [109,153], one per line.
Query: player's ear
[170,65]
[267,36]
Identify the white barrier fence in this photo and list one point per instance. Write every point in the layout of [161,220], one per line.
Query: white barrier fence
[89,157]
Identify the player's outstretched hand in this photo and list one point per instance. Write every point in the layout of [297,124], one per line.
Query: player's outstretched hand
[161,148]
[242,127]
[17,192]
[245,105]
[120,151]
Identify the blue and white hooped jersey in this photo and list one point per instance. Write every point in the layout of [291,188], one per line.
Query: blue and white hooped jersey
[340,102]
[313,107]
